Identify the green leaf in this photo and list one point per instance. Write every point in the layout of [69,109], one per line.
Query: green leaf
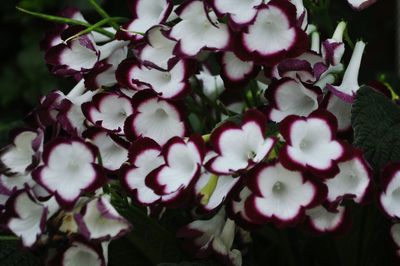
[11,255]
[376,123]
[152,240]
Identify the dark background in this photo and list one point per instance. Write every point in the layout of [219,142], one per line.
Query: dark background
[24,76]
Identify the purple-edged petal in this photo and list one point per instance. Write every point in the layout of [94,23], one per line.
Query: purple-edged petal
[170,84]
[21,155]
[390,197]
[100,221]
[198,29]
[108,110]
[352,181]
[69,169]
[103,74]
[360,4]
[325,221]
[240,12]
[239,147]
[237,208]
[78,55]
[146,14]
[290,97]
[349,86]
[311,143]
[29,219]
[82,254]
[236,71]
[280,195]
[183,162]
[113,150]
[272,34]
[145,156]
[341,110]
[155,118]
[159,50]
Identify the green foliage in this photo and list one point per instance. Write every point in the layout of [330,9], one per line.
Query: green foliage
[11,255]
[376,124]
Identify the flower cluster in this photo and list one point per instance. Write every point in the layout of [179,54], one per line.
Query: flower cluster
[231,110]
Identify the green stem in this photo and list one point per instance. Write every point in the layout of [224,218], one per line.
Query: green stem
[64,20]
[93,27]
[9,238]
[103,13]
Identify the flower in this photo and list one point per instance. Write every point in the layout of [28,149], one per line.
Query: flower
[347,90]
[69,169]
[239,147]
[24,154]
[108,110]
[198,30]
[388,199]
[290,97]
[29,217]
[360,4]
[144,157]
[275,19]
[311,144]
[322,220]
[183,161]
[98,219]
[215,235]
[353,180]
[146,14]
[155,118]
[280,195]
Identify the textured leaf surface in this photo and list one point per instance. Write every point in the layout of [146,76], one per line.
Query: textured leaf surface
[376,124]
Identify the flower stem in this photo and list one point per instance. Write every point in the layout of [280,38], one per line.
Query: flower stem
[93,27]
[9,238]
[103,13]
[64,20]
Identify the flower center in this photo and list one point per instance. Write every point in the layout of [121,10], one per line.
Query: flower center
[161,113]
[73,165]
[278,187]
[304,144]
[167,76]
[251,155]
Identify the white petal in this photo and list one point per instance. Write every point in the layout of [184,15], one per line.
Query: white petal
[241,11]
[325,221]
[270,32]
[80,254]
[283,192]
[160,48]
[19,156]
[168,84]
[135,178]
[28,224]
[112,154]
[158,120]
[235,68]
[353,179]
[292,98]
[78,57]
[390,199]
[102,220]
[195,31]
